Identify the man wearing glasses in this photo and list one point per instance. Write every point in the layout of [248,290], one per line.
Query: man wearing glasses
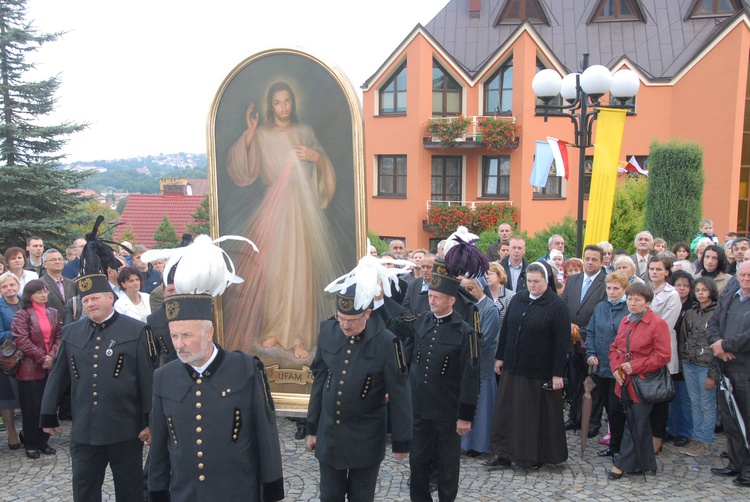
[358,363]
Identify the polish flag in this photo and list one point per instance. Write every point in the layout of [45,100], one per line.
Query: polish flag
[560,153]
[632,167]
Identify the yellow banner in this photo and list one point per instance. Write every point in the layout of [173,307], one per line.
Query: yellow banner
[611,124]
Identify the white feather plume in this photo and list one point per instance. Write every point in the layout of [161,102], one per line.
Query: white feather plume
[461,232]
[368,275]
[204,266]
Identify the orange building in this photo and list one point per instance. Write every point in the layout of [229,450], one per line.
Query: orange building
[477,58]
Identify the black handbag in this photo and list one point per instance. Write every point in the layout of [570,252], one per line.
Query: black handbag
[655,387]
[10,357]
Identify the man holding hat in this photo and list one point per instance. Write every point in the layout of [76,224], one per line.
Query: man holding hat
[444,385]
[105,359]
[358,362]
[213,420]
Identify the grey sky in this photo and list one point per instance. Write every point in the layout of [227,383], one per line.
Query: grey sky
[144,73]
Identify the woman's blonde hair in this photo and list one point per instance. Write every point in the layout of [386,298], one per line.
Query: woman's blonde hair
[498,269]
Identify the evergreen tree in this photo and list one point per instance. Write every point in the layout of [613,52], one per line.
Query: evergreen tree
[165,235]
[201,222]
[35,198]
[674,200]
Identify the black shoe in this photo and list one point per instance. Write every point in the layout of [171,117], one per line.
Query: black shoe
[681,441]
[496,461]
[48,451]
[472,453]
[571,425]
[614,475]
[301,433]
[33,454]
[593,432]
[605,453]
[742,481]
[723,471]
[16,446]
[536,466]
[724,454]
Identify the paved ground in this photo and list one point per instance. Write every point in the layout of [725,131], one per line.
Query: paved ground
[679,478]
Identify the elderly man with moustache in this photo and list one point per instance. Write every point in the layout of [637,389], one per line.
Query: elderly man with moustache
[728,332]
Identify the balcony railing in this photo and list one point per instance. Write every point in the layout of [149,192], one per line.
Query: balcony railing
[472,138]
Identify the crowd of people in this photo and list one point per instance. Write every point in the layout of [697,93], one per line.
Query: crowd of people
[522,335]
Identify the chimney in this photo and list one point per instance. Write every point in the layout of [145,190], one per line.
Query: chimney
[475,6]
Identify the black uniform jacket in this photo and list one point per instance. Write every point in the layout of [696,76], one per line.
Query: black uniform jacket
[157,320]
[347,409]
[445,370]
[214,436]
[108,368]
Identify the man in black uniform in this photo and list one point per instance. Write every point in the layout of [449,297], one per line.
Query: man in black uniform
[213,420]
[444,378]
[105,359]
[357,364]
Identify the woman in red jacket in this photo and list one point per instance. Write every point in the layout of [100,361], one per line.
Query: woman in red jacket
[36,330]
[650,349]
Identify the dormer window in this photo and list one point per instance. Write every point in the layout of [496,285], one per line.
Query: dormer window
[517,11]
[714,8]
[617,10]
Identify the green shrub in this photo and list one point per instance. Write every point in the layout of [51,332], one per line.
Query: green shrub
[536,246]
[485,239]
[628,212]
[376,241]
[674,200]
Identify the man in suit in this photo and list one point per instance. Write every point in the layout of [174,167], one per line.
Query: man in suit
[582,294]
[415,300]
[515,265]
[73,267]
[61,289]
[347,399]
[644,241]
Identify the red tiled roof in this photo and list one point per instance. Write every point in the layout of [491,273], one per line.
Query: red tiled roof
[85,192]
[144,213]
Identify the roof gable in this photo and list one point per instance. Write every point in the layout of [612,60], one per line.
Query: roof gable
[517,11]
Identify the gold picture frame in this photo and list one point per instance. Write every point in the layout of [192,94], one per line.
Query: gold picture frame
[286,169]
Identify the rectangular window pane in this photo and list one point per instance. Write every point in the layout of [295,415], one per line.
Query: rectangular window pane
[453,185]
[401,166]
[492,171]
[386,184]
[437,102]
[437,187]
[401,101]
[386,165]
[452,166]
[507,101]
[505,165]
[504,186]
[553,185]
[401,185]
[493,103]
[454,102]
[490,187]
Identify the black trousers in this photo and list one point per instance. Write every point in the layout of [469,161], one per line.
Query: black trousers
[356,485]
[30,398]
[125,459]
[739,458]
[435,441]
[605,388]
[577,372]
[637,452]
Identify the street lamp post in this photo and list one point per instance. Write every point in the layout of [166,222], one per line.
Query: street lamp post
[582,92]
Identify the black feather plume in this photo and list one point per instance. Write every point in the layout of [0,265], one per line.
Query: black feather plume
[465,259]
[97,256]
